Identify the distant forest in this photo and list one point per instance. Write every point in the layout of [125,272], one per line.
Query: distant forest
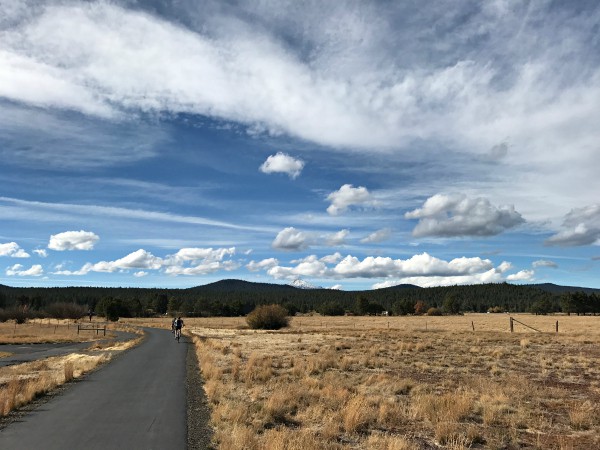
[238,298]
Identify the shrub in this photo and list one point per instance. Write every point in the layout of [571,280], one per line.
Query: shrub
[64,310]
[434,312]
[268,317]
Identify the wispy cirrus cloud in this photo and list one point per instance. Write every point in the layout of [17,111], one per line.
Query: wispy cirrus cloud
[25,207]
[377,236]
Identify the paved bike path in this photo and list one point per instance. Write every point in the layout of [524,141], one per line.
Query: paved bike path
[138,401]
[21,353]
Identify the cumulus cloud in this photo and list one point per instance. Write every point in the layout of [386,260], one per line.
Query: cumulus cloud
[291,239]
[282,163]
[347,196]
[18,270]
[378,236]
[380,267]
[523,275]
[200,254]
[200,261]
[42,253]
[544,263]
[203,268]
[489,276]
[581,227]
[338,238]
[140,259]
[140,274]
[457,215]
[332,259]
[265,264]
[13,250]
[73,240]
[187,261]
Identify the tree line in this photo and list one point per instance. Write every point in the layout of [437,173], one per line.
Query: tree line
[238,298]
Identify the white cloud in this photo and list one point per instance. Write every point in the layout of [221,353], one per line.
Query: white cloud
[203,268]
[265,264]
[187,261]
[423,264]
[332,259]
[383,267]
[308,267]
[338,238]
[197,254]
[504,266]
[457,215]
[34,271]
[336,287]
[140,259]
[42,253]
[291,239]
[200,261]
[13,250]
[378,236]
[523,275]
[544,263]
[140,274]
[347,196]
[282,163]
[52,211]
[490,276]
[582,227]
[73,240]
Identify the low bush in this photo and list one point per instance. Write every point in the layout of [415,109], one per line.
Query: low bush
[434,312]
[268,317]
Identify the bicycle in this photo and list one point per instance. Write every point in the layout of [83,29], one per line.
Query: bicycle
[177,333]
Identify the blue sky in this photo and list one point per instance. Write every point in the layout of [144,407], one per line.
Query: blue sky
[351,144]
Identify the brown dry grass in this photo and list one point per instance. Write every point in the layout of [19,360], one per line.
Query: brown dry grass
[46,331]
[20,384]
[403,382]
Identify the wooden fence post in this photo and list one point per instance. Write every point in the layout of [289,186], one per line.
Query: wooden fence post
[557,326]
[512,329]
[472,325]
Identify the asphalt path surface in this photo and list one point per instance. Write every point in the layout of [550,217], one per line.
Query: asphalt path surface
[138,401]
[21,353]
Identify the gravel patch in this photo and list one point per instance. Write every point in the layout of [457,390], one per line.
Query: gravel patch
[198,411]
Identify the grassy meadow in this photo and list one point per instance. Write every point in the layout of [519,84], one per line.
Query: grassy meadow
[402,382]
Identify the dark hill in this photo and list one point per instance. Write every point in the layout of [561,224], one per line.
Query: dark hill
[232,285]
[557,289]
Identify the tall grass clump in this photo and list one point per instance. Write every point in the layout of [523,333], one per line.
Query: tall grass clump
[268,317]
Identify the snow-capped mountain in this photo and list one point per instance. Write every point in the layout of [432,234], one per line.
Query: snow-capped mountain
[301,284]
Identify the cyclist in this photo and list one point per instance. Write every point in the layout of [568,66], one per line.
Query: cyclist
[178,327]
[173,323]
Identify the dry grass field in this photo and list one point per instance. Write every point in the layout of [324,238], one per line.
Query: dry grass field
[403,382]
[45,331]
[22,383]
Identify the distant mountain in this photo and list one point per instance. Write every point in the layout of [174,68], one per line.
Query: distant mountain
[231,285]
[557,289]
[400,287]
[303,284]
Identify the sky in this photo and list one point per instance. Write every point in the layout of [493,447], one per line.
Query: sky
[351,144]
